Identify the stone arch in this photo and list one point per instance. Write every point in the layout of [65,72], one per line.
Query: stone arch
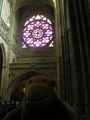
[54,2]
[18,83]
[35,3]
[2,62]
[24,12]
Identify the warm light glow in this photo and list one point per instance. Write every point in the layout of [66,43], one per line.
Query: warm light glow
[23,89]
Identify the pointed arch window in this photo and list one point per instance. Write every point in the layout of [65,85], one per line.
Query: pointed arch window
[38,32]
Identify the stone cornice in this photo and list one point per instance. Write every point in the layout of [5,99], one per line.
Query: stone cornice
[33,64]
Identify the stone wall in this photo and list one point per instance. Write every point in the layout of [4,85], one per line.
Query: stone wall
[20,71]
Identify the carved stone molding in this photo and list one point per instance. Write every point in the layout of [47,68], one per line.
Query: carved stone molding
[27,65]
[4,31]
[14,37]
[18,69]
[3,26]
[46,51]
[11,74]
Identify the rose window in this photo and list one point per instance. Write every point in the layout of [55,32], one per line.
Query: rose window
[37,32]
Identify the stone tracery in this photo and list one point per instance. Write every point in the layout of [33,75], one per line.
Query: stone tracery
[37,31]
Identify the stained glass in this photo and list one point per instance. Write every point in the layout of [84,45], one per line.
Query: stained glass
[51,44]
[37,32]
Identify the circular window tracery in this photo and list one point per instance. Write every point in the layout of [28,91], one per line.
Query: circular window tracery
[37,31]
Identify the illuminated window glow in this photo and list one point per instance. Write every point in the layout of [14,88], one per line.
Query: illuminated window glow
[37,32]
[51,44]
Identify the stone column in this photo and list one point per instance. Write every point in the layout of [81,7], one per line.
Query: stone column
[58,43]
[79,20]
[85,22]
[69,59]
[62,53]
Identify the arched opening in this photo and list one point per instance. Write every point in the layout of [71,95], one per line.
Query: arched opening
[18,91]
[1,65]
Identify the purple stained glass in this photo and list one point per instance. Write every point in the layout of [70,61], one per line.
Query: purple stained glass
[37,31]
